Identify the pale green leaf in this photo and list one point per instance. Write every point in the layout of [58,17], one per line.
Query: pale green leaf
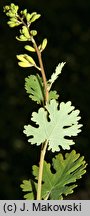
[28,17]
[21,57]
[11,10]
[24,12]
[32,14]
[26,61]
[35,17]
[29,48]
[25,64]
[55,75]
[58,130]
[11,24]
[44,44]
[33,32]
[67,171]
[25,32]
[29,59]
[21,38]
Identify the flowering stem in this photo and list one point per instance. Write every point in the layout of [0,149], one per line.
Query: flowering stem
[44,145]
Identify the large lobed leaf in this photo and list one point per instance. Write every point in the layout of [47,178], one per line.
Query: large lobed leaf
[62,123]
[67,171]
[58,184]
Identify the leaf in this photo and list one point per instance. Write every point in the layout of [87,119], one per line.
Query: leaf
[29,186]
[42,46]
[24,12]
[35,17]
[34,87]
[55,75]
[60,183]
[53,95]
[25,32]
[26,60]
[33,32]
[29,59]
[67,171]
[24,64]
[29,48]
[62,123]
[11,10]
[28,17]
[21,38]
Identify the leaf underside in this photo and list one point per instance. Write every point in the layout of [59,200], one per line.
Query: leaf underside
[58,184]
[57,130]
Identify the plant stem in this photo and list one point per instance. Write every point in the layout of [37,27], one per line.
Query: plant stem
[42,70]
[44,145]
[42,155]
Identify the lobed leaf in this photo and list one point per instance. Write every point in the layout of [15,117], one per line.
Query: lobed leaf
[67,171]
[34,87]
[60,183]
[55,75]
[29,186]
[61,126]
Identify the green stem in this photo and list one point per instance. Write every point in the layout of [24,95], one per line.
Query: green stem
[42,70]
[44,145]
[41,163]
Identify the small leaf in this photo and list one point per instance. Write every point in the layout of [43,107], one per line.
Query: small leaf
[25,32]
[55,75]
[11,24]
[35,17]
[29,48]
[24,12]
[29,59]
[33,32]
[26,61]
[21,38]
[21,57]
[44,44]
[32,14]
[62,125]
[25,64]
[53,95]
[28,17]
